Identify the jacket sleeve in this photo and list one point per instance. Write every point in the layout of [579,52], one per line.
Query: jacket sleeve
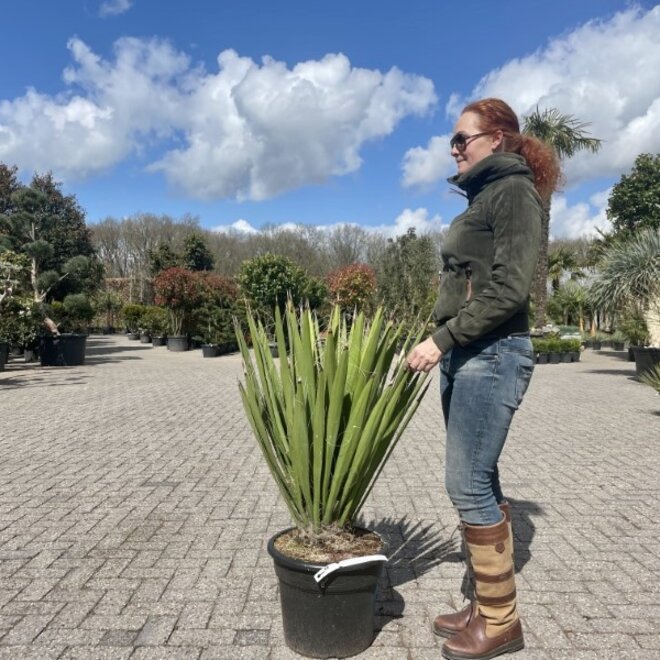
[516,221]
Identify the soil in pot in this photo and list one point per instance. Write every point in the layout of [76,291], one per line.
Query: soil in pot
[333,618]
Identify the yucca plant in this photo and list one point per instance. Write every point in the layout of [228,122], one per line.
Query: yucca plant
[329,412]
[652,378]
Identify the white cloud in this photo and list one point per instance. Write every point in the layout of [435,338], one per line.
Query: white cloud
[581,219]
[114,7]
[239,227]
[604,72]
[407,219]
[424,166]
[257,131]
[247,131]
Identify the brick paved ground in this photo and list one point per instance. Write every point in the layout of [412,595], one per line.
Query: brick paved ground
[134,511]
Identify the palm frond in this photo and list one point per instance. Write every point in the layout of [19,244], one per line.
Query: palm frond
[564,133]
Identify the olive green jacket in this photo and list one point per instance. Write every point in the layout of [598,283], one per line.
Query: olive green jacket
[490,253]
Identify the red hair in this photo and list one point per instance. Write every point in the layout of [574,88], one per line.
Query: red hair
[494,115]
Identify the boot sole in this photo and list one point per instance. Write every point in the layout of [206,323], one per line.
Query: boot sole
[444,632]
[509,647]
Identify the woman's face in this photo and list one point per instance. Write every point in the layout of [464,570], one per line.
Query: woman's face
[478,145]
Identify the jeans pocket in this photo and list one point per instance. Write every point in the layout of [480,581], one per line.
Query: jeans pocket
[523,376]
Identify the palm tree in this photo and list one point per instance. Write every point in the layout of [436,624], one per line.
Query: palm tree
[561,260]
[566,135]
[630,276]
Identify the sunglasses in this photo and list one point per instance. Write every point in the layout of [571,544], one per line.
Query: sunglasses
[461,141]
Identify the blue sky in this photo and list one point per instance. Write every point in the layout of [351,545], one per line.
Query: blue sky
[253,113]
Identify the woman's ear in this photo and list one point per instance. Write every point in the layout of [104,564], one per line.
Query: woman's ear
[497,140]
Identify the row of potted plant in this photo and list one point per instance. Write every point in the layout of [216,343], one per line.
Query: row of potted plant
[553,350]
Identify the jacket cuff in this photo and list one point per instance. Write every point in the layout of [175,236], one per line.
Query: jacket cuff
[443,339]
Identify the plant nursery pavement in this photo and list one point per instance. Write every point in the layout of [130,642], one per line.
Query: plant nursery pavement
[135,509]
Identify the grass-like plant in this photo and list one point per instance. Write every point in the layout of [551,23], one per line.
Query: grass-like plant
[329,412]
[652,377]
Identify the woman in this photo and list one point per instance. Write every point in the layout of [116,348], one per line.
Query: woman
[485,353]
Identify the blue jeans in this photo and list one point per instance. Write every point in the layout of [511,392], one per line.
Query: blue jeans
[482,385]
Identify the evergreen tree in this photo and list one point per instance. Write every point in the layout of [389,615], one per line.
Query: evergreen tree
[635,200]
[196,254]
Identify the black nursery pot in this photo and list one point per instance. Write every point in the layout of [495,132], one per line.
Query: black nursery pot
[4,351]
[178,343]
[63,350]
[210,350]
[332,620]
[158,341]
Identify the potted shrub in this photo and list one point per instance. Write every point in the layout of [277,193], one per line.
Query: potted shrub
[153,323]
[132,314]
[67,348]
[21,325]
[540,349]
[554,350]
[327,417]
[572,348]
[179,291]
[618,341]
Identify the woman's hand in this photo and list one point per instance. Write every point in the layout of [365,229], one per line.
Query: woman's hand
[424,356]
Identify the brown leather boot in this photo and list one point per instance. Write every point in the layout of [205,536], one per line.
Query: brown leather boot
[446,625]
[495,627]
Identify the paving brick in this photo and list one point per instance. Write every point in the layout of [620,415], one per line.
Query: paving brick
[133,522]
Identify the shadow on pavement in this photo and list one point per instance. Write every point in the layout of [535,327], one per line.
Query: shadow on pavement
[413,549]
[630,373]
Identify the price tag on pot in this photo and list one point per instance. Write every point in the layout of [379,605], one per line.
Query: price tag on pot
[345,563]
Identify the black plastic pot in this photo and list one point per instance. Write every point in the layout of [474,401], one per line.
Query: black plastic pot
[619,346]
[4,351]
[159,341]
[542,358]
[177,344]
[210,350]
[333,619]
[646,359]
[107,330]
[575,356]
[63,350]
[596,345]
[145,338]
[554,358]
[133,336]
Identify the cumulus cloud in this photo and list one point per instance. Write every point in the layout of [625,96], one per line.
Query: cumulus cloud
[245,131]
[581,219]
[604,73]
[114,7]
[423,166]
[418,219]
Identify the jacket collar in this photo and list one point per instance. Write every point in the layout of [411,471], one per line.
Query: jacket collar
[489,169]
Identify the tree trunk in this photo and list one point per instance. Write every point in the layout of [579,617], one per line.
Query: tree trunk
[541,281]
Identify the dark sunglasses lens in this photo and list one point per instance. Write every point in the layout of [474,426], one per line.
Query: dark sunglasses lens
[458,141]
